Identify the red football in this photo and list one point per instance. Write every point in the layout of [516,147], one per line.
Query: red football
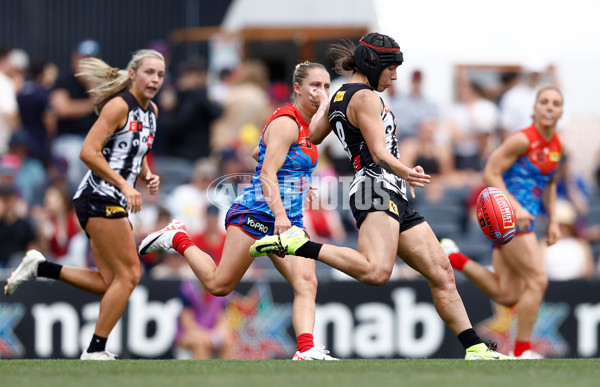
[496,216]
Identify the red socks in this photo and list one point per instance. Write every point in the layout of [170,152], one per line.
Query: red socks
[521,346]
[181,241]
[458,260]
[305,342]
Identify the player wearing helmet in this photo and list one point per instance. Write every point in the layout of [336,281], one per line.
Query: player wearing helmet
[388,226]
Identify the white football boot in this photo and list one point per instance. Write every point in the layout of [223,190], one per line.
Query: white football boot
[161,239]
[26,271]
[315,353]
[100,355]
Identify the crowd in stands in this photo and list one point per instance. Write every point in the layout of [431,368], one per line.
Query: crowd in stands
[207,130]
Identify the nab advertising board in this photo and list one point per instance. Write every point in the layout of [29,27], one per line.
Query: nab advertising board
[46,319]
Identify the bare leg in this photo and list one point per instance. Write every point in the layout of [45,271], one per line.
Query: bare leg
[504,285]
[377,244]
[300,273]
[523,255]
[84,279]
[420,249]
[117,260]
[221,280]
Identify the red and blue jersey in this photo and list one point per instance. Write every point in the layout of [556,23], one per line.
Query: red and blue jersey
[527,178]
[293,176]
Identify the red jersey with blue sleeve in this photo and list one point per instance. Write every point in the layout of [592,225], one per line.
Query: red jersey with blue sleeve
[526,180]
[293,176]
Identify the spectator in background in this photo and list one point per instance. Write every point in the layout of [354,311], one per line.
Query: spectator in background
[146,219]
[159,216]
[235,161]
[515,103]
[202,327]
[188,202]
[515,112]
[473,121]
[74,109]
[187,126]
[571,256]
[429,150]
[245,110]
[166,98]
[163,265]
[325,224]
[49,75]
[572,187]
[9,109]
[17,234]
[508,80]
[39,121]
[31,177]
[212,239]
[58,225]
[410,109]
[171,266]
[218,90]
[19,60]
[57,170]
[597,175]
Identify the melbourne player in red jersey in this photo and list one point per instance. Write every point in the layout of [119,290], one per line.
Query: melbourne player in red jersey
[523,168]
[270,205]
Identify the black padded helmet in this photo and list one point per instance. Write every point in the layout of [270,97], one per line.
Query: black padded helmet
[374,53]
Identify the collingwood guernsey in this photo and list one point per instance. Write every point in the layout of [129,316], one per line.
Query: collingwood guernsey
[356,147]
[124,151]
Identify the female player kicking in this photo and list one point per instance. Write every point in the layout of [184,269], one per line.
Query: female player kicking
[388,226]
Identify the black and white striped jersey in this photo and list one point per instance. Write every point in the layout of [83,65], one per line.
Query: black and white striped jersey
[355,145]
[124,151]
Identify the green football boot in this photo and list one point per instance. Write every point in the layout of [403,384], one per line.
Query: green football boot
[281,244]
[482,351]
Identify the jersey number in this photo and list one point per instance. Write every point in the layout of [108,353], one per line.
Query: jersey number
[339,129]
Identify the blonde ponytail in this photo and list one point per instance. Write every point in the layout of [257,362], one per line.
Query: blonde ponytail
[112,81]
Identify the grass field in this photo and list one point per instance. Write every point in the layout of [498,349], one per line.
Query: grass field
[266,373]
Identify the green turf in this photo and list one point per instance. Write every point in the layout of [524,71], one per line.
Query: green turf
[266,373]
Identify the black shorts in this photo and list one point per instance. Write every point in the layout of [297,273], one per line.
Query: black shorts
[93,206]
[368,199]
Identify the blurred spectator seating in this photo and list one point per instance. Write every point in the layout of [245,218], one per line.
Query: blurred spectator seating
[445,219]
[571,256]
[173,171]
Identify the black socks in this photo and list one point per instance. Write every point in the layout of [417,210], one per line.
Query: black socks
[98,344]
[49,270]
[309,250]
[469,338]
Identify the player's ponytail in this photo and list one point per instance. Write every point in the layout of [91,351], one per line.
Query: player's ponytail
[112,81]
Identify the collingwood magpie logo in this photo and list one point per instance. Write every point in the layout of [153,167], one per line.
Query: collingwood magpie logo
[257,225]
